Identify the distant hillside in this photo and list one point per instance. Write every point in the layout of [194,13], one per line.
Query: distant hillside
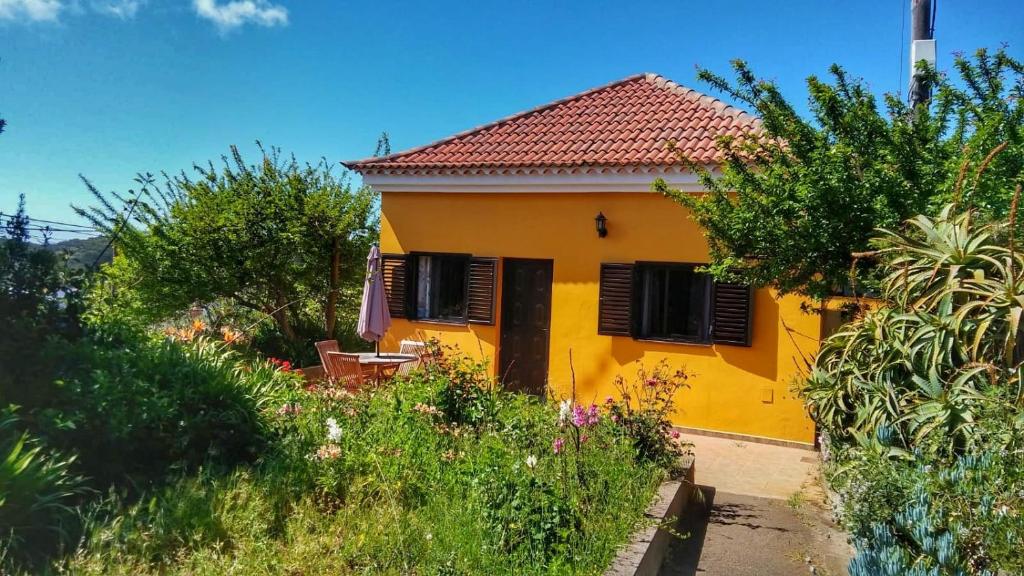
[82,252]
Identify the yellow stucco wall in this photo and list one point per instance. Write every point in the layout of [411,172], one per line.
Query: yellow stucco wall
[729,383]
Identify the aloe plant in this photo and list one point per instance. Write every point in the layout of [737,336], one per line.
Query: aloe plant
[941,351]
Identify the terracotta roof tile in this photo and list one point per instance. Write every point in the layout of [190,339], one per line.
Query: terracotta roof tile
[626,123]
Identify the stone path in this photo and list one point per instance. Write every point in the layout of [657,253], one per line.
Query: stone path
[763,514]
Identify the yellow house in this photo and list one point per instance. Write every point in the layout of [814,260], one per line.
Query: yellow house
[536,242]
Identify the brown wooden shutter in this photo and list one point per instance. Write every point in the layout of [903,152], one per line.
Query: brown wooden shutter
[733,307]
[480,295]
[615,302]
[395,269]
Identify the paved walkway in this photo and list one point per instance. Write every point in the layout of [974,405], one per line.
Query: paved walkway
[753,469]
[763,514]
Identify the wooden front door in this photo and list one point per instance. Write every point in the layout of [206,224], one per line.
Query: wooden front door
[525,325]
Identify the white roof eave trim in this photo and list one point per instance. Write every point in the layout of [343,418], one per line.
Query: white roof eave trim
[534,181]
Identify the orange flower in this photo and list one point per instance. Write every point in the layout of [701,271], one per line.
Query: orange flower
[231,336]
[198,326]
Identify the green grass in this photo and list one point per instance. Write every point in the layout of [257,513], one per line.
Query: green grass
[407,494]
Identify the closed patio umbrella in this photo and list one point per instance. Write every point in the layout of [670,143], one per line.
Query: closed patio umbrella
[374,318]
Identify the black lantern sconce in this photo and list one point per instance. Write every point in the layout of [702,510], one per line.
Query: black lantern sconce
[602,228]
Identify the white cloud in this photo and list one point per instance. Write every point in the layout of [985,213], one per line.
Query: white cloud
[123,9]
[235,13]
[30,10]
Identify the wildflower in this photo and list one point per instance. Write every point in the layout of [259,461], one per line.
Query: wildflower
[557,445]
[531,461]
[652,382]
[448,455]
[230,335]
[615,418]
[674,434]
[582,417]
[328,452]
[584,438]
[426,409]
[333,430]
[564,411]
[289,409]
[609,400]
[198,325]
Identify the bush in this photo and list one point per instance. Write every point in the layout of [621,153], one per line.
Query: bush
[37,494]
[138,411]
[643,413]
[466,394]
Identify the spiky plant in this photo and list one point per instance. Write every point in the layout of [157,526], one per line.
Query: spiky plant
[37,493]
[943,347]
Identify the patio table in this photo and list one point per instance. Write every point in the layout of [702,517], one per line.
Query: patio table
[382,363]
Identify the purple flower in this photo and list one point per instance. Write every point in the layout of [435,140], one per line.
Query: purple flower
[557,445]
[583,417]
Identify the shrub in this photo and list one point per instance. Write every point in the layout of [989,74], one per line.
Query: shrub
[37,494]
[151,406]
[643,413]
[466,393]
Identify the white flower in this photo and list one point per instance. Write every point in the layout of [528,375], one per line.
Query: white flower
[531,461]
[564,411]
[333,430]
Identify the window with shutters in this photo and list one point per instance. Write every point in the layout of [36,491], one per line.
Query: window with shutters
[673,302]
[440,286]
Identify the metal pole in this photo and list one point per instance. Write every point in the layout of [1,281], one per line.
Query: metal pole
[921,29]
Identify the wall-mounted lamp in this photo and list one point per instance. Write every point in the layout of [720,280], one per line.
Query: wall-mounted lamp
[602,228]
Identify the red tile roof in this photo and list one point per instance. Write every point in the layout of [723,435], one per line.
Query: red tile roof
[626,123]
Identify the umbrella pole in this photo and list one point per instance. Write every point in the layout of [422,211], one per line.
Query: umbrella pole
[377,343]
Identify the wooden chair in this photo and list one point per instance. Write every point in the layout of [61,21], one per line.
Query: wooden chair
[419,349]
[324,347]
[345,369]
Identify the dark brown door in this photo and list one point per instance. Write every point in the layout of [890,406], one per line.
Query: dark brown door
[525,325]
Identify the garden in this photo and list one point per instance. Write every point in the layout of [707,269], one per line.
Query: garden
[143,434]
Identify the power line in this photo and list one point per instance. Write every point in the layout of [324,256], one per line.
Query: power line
[68,230]
[5,215]
[122,224]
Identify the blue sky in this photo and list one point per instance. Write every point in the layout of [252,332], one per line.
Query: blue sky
[108,88]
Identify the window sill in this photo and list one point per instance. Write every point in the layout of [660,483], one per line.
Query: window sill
[699,343]
[440,321]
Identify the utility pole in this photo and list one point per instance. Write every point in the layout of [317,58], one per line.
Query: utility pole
[922,47]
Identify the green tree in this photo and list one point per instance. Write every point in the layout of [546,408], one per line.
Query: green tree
[279,238]
[796,200]
[39,304]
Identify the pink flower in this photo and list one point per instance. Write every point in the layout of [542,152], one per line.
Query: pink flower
[615,418]
[582,417]
[674,434]
[652,382]
[289,409]
[557,445]
[584,438]
[609,400]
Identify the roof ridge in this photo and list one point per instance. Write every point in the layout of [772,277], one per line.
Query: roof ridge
[487,125]
[717,104]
